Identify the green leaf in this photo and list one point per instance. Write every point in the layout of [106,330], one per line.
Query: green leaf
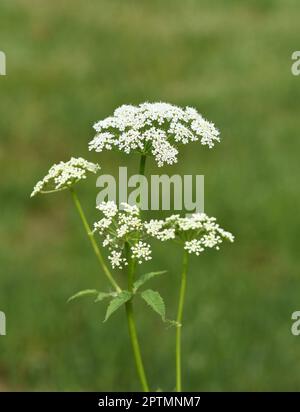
[145,277]
[85,292]
[103,295]
[155,301]
[116,302]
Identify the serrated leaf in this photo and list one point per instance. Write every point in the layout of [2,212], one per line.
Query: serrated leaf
[155,301]
[145,277]
[86,292]
[116,302]
[103,295]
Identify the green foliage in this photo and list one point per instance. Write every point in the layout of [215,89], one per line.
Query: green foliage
[82,293]
[117,302]
[155,301]
[145,277]
[103,295]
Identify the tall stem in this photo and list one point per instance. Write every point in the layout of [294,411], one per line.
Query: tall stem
[129,308]
[179,320]
[141,173]
[131,325]
[93,241]
[142,165]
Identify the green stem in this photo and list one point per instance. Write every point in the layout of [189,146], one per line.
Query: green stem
[142,173]
[179,320]
[131,325]
[93,241]
[142,165]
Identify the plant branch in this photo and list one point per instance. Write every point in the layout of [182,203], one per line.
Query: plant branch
[179,320]
[93,241]
[142,165]
[131,324]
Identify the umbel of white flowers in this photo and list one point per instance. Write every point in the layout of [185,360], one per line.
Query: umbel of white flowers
[155,129]
[120,227]
[196,233]
[63,175]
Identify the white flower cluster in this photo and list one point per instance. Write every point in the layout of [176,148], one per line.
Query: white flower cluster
[141,251]
[119,227]
[64,174]
[116,259]
[157,229]
[197,232]
[153,129]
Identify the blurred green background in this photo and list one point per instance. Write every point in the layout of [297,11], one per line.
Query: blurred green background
[70,64]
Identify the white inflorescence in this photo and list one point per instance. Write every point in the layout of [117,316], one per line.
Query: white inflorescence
[141,251]
[197,232]
[116,259]
[194,246]
[119,227]
[64,174]
[153,129]
[156,228]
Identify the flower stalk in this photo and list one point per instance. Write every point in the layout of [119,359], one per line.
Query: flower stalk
[93,241]
[131,324]
[179,320]
[142,165]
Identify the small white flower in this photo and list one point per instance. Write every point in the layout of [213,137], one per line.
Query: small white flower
[211,240]
[63,175]
[122,231]
[196,232]
[131,209]
[128,223]
[141,251]
[102,225]
[153,129]
[107,142]
[109,208]
[226,235]
[116,259]
[166,234]
[194,246]
[121,227]
[155,229]
[107,241]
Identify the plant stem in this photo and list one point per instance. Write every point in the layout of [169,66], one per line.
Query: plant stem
[142,165]
[93,241]
[179,320]
[141,173]
[129,308]
[132,327]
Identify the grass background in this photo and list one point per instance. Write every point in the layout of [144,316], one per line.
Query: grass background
[70,64]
